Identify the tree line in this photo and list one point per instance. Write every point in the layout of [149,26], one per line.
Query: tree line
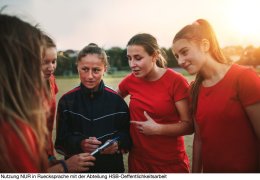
[66,62]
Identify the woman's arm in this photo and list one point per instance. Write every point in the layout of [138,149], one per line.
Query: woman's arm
[183,127]
[77,163]
[253,112]
[196,154]
[66,141]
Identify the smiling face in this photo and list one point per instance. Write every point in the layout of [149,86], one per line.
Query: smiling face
[91,70]
[49,62]
[140,62]
[189,55]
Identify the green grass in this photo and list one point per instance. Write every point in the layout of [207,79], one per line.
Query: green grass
[66,84]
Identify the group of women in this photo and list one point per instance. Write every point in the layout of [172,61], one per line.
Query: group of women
[221,107]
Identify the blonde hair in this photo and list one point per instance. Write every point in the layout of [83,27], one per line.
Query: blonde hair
[22,89]
[48,42]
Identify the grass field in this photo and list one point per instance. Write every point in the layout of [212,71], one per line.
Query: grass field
[66,84]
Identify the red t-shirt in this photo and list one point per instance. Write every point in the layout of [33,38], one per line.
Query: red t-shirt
[158,99]
[51,117]
[23,161]
[228,140]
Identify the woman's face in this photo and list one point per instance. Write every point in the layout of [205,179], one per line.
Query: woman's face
[91,70]
[189,55]
[140,62]
[49,62]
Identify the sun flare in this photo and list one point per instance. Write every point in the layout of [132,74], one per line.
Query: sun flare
[244,19]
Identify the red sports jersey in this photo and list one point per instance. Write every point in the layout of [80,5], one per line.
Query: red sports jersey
[158,99]
[51,117]
[23,158]
[228,140]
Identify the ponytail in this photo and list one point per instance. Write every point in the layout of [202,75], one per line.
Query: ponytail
[196,32]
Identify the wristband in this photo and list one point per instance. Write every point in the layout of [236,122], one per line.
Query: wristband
[51,158]
[64,165]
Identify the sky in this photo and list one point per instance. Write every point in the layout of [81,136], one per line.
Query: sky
[111,23]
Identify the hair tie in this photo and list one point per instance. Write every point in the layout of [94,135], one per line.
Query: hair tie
[196,23]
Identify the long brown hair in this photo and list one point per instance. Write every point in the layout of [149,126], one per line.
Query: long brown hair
[22,87]
[150,45]
[199,30]
[48,42]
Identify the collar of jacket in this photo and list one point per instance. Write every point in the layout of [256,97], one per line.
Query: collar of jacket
[90,93]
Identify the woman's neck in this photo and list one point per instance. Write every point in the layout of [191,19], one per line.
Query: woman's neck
[155,74]
[213,72]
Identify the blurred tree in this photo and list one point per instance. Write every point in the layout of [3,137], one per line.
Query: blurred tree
[117,58]
[247,57]
[256,55]
[172,62]
[233,53]
[66,65]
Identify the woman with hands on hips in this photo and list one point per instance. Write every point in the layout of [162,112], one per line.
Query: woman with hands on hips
[158,110]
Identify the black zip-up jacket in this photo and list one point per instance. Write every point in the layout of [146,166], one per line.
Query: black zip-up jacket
[103,114]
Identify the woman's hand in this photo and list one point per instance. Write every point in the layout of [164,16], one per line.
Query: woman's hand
[148,127]
[80,162]
[111,149]
[89,145]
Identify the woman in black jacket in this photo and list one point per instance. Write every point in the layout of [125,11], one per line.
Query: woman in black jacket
[92,114]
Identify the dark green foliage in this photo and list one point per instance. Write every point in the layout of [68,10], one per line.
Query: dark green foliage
[66,65]
[119,62]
